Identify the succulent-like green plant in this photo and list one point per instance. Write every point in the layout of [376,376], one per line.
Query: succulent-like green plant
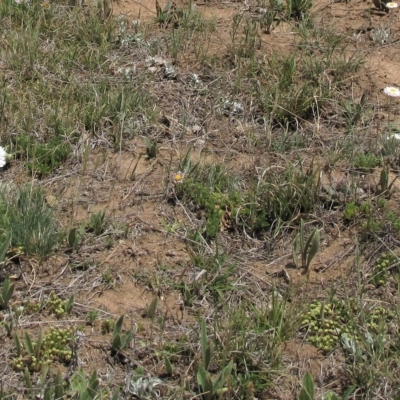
[325,322]
[97,223]
[307,391]
[151,148]
[151,308]
[120,341]
[58,306]
[86,389]
[34,355]
[380,272]
[213,389]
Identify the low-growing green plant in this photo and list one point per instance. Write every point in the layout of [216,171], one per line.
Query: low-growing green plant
[307,391]
[298,9]
[92,316]
[151,148]
[366,162]
[383,263]
[58,306]
[151,308]
[97,223]
[245,45]
[351,211]
[353,111]
[168,366]
[29,220]
[368,358]
[53,346]
[107,325]
[217,275]
[120,341]
[144,387]
[213,191]
[85,388]
[211,389]
[307,247]
[6,293]
[280,198]
[390,145]
[27,307]
[325,322]
[75,236]
[107,277]
[45,157]
[272,16]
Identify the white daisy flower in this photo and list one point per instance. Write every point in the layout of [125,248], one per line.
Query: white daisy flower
[392,4]
[178,177]
[392,91]
[4,157]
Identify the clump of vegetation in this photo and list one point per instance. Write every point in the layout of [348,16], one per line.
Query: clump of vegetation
[53,346]
[27,307]
[380,272]
[325,322]
[6,293]
[378,318]
[107,326]
[366,162]
[29,220]
[59,307]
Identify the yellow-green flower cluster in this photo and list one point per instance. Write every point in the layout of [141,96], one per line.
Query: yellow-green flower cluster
[56,305]
[325,322]
[54,347]
[380,275]
[378,319]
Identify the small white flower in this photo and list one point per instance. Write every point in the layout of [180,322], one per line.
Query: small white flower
[237,107]
[4,157]
[178,177]
[396,136]
[392,4]
[392,91]
[196,80]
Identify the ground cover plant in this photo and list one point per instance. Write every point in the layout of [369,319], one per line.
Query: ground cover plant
[199,200]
